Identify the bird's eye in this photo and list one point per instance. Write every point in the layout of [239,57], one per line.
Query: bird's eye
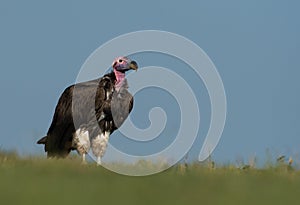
[120,61]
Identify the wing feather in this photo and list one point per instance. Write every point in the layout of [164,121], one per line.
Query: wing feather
[76,102]
[93,104]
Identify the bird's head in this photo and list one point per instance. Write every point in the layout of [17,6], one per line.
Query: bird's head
[123,64]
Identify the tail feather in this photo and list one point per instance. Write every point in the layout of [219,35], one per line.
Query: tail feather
[42,140]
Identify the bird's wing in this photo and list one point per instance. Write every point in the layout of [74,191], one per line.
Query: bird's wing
[121,106]
[59,137]
[76,107]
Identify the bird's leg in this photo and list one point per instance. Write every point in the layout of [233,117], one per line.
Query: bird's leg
[99,144]
[98,161]
[104,140]
[81,141]
[83,159]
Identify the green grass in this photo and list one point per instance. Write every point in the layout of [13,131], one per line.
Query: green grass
[41,181]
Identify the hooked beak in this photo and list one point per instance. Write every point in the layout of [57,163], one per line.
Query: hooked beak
[133,65]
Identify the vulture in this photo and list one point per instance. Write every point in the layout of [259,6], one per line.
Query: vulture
[88,113]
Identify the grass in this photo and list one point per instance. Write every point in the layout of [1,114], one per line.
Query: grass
[41,181]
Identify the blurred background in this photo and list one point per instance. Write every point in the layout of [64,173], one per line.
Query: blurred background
[254,45]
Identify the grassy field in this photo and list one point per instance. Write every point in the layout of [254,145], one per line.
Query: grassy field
[41,181]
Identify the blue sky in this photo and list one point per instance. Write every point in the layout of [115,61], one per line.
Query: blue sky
[254,45]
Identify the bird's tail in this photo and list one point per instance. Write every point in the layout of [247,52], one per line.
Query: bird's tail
[42,140]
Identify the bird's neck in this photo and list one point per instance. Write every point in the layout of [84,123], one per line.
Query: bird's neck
[120,77]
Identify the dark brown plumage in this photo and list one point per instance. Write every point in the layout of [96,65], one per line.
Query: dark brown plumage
[87,113]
